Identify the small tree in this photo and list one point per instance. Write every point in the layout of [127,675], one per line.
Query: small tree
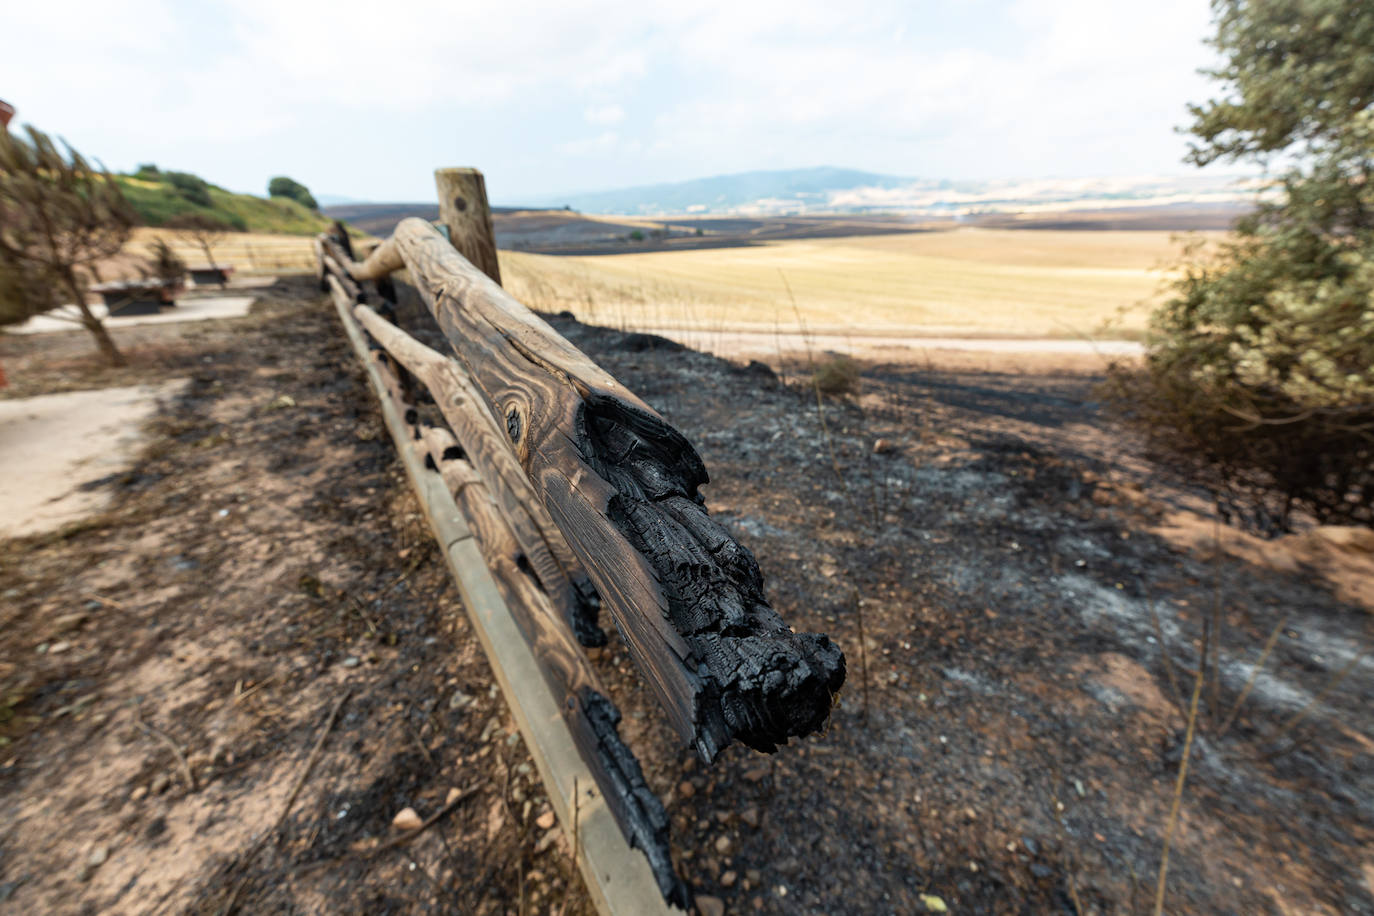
[203,231]
[165,264]
[281,186]
[58,217]
[1261,366]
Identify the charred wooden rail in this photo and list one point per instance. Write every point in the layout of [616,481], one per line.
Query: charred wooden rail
[570,728]
[623,487]
[569,489]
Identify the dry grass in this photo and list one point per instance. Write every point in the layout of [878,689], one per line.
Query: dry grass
[247,252]
[965,281]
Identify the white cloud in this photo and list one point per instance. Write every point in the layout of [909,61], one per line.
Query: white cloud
[604,114]
[671,90]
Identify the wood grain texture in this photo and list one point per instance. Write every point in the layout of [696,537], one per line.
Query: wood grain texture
[591,719]
[384,260]
[623,487]
[568,725]
[482,441]
[463,208]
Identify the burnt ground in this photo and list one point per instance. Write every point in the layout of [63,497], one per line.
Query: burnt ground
[1020,637]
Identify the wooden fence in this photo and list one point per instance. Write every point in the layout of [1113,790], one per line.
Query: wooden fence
[554,491]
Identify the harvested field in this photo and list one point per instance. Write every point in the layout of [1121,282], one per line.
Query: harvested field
[1007,742]
[965,282]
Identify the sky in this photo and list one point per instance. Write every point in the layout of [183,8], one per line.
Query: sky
[364,99]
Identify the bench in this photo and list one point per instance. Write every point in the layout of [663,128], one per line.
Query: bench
[137,297]
[203,274]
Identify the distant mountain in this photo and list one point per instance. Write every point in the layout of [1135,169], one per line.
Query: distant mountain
[828,190]
[336,200]
[795,188]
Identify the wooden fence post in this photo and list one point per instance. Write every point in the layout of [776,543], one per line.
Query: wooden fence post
[463,208]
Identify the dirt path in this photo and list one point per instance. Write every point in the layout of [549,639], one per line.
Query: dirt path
[56,449]
[1044,354]
[1007,743]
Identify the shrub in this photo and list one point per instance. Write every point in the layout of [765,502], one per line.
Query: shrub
[165,264]
[1259,372]
[281,186]
[191,187]
[838,375]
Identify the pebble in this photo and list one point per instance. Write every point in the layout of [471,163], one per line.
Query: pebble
[934,904]
[138,792]
[547,840]
[70,621]
[710,906]
[728,879]
[686,790]
[754,875]
[161,782]
[723,845]
[452,796]
[407,819]
[883,446]
[750,816]
[57,647]
[352,661]
[98,856]
[545,820]
[493,727]
[459,700]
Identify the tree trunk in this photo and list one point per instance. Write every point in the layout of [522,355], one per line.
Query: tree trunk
[103,340]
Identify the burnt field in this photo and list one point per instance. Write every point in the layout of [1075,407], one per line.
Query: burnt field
[568,232]
[1003,573]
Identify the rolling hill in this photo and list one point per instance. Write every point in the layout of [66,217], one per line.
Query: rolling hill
[829,190]
[158,197]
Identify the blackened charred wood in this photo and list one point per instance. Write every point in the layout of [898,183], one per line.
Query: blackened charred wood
[623,487]
[591,719]
[339,233]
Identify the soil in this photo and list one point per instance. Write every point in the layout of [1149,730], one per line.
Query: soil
[1004,572]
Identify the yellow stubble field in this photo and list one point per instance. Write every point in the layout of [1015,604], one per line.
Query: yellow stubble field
[966,282]
[246,252]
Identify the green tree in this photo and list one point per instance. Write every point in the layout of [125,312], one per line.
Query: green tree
[1261,365]
[59,216]
[281,186]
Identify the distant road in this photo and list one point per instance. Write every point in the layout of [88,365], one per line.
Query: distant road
[895,347]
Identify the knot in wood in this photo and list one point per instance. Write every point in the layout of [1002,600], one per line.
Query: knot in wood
[513,423]
[460,204]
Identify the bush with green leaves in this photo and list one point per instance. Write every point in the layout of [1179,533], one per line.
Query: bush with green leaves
[281,186]
[1259,370]
[191,187]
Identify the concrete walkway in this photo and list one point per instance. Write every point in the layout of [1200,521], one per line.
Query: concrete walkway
[54,445]
[67,317]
